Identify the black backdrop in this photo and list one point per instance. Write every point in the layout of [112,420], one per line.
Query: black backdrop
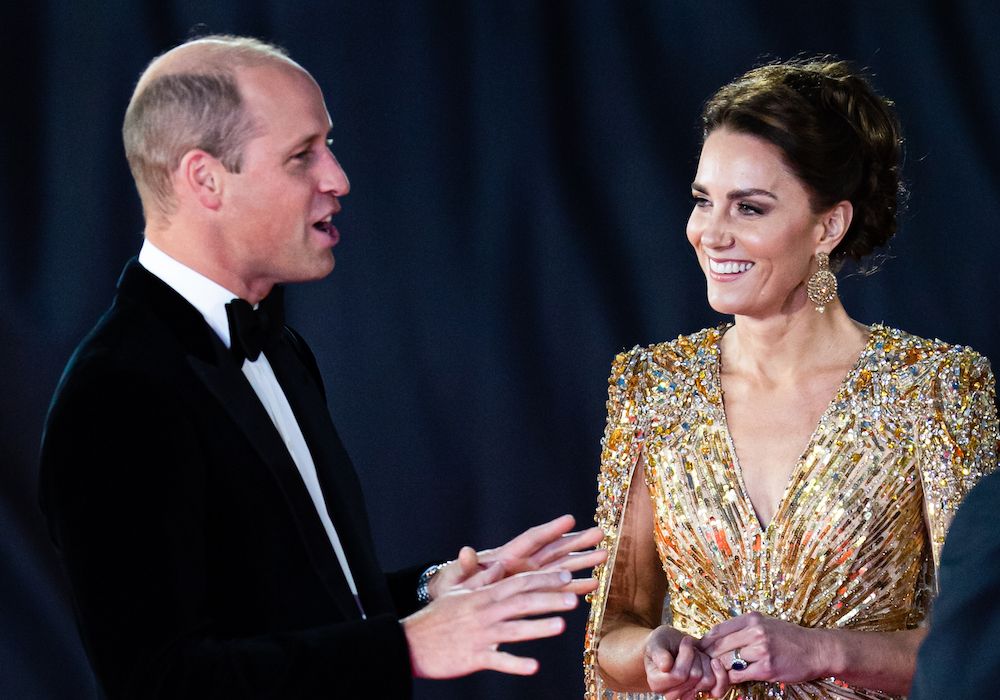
[520,178]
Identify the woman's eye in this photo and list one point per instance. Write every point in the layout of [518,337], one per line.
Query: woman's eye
[747,208]
[699,201]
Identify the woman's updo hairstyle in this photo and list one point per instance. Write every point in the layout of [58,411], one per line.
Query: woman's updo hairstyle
[837,134]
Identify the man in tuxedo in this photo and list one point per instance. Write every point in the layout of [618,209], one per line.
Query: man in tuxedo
[959,658]
[210,521]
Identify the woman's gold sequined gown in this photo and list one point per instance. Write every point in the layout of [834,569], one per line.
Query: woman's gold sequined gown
[856,537]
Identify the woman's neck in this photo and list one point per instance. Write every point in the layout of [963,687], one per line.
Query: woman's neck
[787,347]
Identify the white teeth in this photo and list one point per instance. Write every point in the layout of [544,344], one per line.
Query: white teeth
[728,268]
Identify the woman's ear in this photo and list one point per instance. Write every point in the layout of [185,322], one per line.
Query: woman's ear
[835,223]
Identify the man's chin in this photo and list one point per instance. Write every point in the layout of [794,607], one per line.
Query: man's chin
[324,268]
[317,269]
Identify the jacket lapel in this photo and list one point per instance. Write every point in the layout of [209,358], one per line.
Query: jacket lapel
[338,480]
[212,363]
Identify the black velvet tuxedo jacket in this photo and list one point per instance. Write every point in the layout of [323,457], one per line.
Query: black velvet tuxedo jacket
[198,564]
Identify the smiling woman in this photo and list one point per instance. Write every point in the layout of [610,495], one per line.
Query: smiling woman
[776,491]
[752,225]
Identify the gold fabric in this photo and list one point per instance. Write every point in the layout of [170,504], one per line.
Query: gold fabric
[857,535]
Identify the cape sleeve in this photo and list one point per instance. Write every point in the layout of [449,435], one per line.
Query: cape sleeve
[958,439]
[621,448]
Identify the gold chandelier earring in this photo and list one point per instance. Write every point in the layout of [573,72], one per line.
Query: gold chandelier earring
[822,285]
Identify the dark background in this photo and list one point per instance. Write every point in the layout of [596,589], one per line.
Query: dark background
[520,176]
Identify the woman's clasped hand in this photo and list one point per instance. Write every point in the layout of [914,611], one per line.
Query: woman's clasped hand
[750,647]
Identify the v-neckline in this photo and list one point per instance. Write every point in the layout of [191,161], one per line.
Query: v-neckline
[793,475]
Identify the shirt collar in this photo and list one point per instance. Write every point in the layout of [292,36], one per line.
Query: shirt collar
[210,298]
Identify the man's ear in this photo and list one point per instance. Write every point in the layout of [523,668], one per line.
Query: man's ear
[199,176]
[834,224]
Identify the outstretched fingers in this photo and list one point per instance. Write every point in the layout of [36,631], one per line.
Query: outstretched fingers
[579,559]
[524,630]
[460,632]
[536,538]
[581,586]
[537,588]
[491,574]
[572,551]
[531,581]
[505,662]
[509,603]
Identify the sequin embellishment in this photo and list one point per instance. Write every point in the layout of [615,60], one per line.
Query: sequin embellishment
[857,536]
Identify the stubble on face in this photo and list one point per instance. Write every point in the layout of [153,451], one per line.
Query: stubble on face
[276,201]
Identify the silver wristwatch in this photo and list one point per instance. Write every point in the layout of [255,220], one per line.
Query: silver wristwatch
[423,592]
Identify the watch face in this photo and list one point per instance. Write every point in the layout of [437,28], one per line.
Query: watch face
[423,592]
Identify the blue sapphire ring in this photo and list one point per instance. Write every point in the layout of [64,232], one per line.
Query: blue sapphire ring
[738,663]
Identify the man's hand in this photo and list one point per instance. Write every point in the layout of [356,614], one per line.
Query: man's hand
[547,546]
[458,633]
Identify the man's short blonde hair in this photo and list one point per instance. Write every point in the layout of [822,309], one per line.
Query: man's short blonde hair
[188,98]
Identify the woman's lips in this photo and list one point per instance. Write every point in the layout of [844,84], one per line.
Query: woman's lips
[729,267]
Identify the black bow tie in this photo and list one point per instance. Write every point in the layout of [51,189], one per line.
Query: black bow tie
[254,330]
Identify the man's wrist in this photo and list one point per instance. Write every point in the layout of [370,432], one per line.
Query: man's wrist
[423,583]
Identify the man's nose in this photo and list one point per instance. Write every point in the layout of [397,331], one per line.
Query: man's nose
[333,178]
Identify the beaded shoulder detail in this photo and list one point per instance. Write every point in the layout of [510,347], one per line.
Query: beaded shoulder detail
[648,387]
[950,393]
[661,375]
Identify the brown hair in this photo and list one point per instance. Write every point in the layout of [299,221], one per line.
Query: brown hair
[188,98]
[837,135]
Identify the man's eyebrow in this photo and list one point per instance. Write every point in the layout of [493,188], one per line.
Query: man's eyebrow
[306,140]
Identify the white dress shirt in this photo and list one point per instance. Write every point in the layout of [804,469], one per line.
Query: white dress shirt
[210,299]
